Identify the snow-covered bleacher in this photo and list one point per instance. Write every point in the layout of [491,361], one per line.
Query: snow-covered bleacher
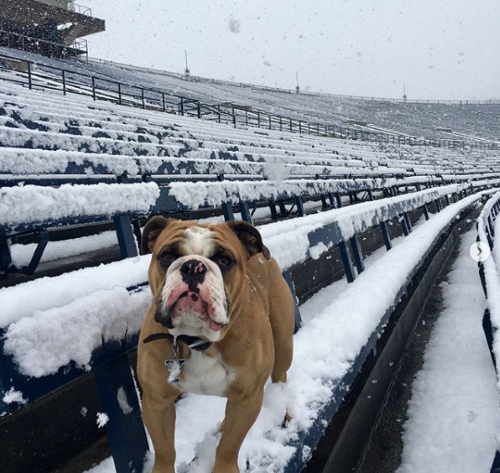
[72,162]
[488,234]
[81,162]
[462,121]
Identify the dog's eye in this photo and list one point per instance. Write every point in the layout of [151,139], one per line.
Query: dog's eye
[167,257]
[224,261]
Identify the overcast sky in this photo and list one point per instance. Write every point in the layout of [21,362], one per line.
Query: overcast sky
[441,49]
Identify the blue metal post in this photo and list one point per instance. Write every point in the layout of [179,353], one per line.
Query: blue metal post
[339,199]
[324,203]
[346,262]
[406,230]
[125,427]
[408,221]
[227,209]
[5,256]
[282,206]
[426,212]
[37,256]
[274,210]
[300,206]
[439,205]
[298,319]
[385,235]
[64,81]
[358,255]
[30,77]
[245,212]
[126,237]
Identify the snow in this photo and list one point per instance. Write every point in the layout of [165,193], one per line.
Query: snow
[102,419]
[43,294]
[53,338]
[22,254]
[453,414]
[123,401]
[337,323]
[39,204]
[13,396]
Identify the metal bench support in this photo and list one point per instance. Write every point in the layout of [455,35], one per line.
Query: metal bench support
[298,319]
[346,262]
[385,235]
[358,255]
[227,209]
[5,256]
[119,401]
[126,237]
[245,212]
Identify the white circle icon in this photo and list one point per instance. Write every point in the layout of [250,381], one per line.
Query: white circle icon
[479,251]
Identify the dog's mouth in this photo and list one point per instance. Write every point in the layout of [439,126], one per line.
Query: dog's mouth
[191,308]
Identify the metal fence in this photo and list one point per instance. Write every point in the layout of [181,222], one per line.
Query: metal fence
[34,45]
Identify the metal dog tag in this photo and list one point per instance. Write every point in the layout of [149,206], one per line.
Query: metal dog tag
[174,366]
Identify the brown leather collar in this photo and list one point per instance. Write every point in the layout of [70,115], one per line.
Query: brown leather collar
[194,343]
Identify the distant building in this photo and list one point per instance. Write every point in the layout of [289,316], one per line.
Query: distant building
[50,27]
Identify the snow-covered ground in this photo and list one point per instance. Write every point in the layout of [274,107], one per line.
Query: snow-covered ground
[454,415]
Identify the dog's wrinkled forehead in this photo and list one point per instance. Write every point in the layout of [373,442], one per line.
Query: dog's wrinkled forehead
[198,241]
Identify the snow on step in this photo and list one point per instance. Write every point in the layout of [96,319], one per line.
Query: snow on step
[69,295]
[38,204]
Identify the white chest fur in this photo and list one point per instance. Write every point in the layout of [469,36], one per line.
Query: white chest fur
[205,375]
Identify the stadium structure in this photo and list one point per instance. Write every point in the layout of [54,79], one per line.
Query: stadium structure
[363,203]
[49,27]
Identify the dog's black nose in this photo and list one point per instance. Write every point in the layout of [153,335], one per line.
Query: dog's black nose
[193,272]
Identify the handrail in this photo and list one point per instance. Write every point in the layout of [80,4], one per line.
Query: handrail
[29,43]
[156,99]
[80,9]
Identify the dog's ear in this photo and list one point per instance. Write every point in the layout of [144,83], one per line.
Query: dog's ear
[151,232]
[249,237]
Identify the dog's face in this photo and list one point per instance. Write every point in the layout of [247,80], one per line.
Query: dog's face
[197,272]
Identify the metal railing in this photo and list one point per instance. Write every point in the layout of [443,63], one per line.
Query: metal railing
[67,81]
[34,45]
[80,9]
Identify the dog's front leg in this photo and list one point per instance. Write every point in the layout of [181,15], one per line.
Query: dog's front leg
[159,417]
[241,413]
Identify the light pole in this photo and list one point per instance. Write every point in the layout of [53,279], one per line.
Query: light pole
[186,71]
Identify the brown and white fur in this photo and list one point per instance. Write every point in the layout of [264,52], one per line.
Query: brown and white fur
[219,283]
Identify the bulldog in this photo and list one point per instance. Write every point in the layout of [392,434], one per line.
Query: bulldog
[221,323]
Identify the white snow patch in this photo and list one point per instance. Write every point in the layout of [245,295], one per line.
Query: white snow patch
[121,397]
[102,419]
[12,396]
[37,204]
